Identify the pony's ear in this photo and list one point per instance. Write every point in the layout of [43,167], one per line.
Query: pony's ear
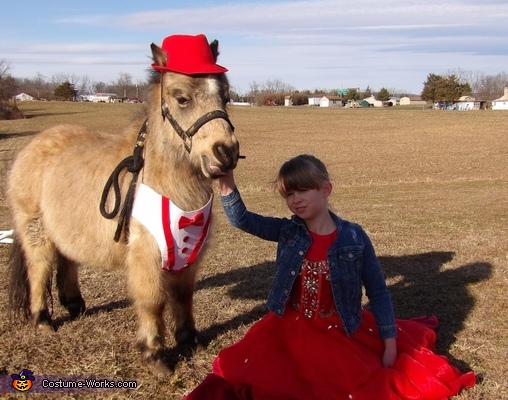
[159,56]
[215,49]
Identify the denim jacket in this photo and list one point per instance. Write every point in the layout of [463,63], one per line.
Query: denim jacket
[351,258]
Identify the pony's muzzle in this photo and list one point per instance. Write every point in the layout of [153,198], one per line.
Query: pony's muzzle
[227,155]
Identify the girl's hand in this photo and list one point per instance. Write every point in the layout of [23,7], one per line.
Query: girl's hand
[390,353]
[227,183]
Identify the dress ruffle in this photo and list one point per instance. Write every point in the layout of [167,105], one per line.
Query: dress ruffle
[311,359]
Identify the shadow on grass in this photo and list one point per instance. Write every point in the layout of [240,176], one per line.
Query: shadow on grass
[422,287]
[252,283]
[34,114]
[16,135]
[113,305]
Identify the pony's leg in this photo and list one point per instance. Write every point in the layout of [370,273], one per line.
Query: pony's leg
[146,287]
[181,294]
[67,282]
[40,255]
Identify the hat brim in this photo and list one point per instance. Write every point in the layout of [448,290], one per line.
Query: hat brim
[192,69]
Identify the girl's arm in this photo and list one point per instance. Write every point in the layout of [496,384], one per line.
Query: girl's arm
[390,353]
[377,291]
[267,228]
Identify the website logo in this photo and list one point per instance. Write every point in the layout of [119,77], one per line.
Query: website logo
[23,381]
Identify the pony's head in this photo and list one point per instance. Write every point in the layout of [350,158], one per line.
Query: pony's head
[194,92]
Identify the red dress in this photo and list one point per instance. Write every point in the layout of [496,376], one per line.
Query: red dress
[307,355]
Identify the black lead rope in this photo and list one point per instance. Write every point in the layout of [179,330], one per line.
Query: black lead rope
[134,164]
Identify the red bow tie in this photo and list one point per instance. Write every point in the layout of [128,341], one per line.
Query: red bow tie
[197,220]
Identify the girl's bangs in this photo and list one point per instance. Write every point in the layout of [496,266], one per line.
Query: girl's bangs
[304,180]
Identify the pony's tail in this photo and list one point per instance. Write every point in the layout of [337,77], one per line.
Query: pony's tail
[19,289]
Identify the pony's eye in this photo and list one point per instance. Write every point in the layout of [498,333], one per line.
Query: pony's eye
[182,101]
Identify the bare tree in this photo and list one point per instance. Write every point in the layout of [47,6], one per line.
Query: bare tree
[39,83]
[7,82]
[123,84]
[98,87]
[4,73]
[4,68]
[85,86]
[271,92]
[254,88]
[491,87]
[276,86]
[484,87]
[8,86]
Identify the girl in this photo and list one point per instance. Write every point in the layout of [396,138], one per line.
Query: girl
[317,342]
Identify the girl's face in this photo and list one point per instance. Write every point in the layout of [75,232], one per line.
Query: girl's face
[309,204]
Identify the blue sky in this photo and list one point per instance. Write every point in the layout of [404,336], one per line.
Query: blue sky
[309,44]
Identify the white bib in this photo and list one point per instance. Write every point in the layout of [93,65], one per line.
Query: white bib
[179,234]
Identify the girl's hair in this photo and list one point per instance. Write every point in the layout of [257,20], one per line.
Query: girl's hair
[301,172]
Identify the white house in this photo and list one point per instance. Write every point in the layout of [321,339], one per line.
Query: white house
[502,102]
[406,101]
[314,100]
[288,101]
[465,103]
[331,101]
[104,98]
[373,102]
[24,97]
[393,101]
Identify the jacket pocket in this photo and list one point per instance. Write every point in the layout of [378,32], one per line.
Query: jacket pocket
[350,256]
[350,269]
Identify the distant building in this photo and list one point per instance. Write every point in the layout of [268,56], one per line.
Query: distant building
[23,97]
[331,101]
[467,103]
[502,102]
[288,101]
[324,100]
[392,101]
[314,99]
[414,100]
[103,98]
[373,102]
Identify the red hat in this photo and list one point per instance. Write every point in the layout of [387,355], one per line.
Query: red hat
[189,55]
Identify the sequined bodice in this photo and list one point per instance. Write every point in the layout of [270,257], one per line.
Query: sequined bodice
[312,291]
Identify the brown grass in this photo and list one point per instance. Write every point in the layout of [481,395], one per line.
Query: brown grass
[430,187]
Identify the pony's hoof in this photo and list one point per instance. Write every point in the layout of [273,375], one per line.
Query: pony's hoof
[156,360]
[187,339]
[75,306]
[43,322]
[45,327]
[76,309]
[159,368]
[158,364]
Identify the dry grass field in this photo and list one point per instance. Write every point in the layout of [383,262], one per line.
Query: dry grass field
[430,188]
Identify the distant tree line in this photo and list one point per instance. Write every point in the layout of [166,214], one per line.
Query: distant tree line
[66,87]
[444,88]
[449,87]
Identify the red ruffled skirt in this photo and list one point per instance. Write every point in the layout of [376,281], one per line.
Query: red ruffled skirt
[296,358]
